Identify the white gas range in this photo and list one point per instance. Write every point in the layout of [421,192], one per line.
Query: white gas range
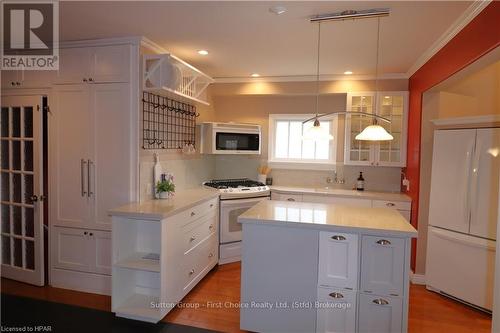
[236,196]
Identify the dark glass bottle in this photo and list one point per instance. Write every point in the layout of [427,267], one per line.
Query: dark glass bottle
[360,184]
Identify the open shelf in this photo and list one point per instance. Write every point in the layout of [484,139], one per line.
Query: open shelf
[137,261]
[138,306]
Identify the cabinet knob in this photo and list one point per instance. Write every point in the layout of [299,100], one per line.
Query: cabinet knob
[192,239]
[210,255]
[390,204]
[91,79]
[211,205]
[338,238]
[383,242]
[210,227]
[84,80]
[191,272]
[85,233]
[193,213]
[18,83]
[336,295]
[371,163]
[91,234]
[380,301]
[12,83]
[290,199]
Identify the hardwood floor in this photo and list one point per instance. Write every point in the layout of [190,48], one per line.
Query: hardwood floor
[429,312]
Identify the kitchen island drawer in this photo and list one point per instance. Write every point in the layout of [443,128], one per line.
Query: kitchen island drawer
[192,214]
[379,314]
[198,261]
[198,230]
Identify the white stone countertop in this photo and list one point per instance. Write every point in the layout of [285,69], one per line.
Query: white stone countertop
[162,208]
[374,195]
[329,217]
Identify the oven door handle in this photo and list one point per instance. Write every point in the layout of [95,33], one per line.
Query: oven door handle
[238,202]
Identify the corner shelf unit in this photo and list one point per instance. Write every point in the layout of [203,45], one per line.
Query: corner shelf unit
[167,75]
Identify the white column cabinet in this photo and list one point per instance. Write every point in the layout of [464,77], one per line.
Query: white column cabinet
[389,104]
[338,313]
[379,314]
[338,260]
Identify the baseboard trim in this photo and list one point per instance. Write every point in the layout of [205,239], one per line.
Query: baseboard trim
[417,278]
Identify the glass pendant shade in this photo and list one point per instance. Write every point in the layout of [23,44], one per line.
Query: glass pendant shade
[374,133]
[316,132]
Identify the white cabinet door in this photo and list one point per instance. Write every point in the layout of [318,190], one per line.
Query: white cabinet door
[330,199]
[450,179]
[110,63]
[11,78]
[69,154]
[336,312]
[382,265]
[338,260]
[74,65]
[37,79]
[484,188]
[70,249]
[100,251]
[111,149]
[286,196]
[380,314]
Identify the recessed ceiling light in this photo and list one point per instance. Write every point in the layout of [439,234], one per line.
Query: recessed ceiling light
[347,72]
[278,10]
[386,96]
[255,75]
[203,52]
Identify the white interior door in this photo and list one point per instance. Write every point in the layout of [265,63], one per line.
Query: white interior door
[484,187]
[21,186]
[450,181]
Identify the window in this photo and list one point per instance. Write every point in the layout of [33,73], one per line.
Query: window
[287,149]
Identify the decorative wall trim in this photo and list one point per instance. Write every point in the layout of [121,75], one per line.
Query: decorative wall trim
[310,78]
[417,278]
[470,13]
[467,120]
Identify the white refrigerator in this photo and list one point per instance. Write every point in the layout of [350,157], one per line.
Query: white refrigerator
[463,214]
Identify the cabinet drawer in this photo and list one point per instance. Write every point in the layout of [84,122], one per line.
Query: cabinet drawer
[338,260]
[197,261]
[400,205]
[379,313]
[336,310]
[382,265]
[189,215]
[286,197]
[197,231]
[330,199]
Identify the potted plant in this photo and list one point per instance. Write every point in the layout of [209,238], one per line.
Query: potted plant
[165,187]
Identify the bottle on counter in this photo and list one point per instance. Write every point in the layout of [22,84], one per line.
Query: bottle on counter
[360,184]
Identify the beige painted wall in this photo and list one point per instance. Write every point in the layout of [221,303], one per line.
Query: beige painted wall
[475,95]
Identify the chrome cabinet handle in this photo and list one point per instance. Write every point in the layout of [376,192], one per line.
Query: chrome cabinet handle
[380,301]
[383,242]
[82,176]
[191,272]
[192,239]
[336,295]
[338,238]
[90,163]
[390,204]
[290,199]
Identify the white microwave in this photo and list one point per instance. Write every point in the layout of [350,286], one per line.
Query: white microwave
[230,138]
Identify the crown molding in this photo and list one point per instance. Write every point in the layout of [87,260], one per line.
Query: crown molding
[488,119]
[467,16]
[310,78]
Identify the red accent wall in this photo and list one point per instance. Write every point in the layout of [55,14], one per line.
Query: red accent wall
[476,39]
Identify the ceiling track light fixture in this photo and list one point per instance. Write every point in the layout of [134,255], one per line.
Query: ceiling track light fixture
[373,132]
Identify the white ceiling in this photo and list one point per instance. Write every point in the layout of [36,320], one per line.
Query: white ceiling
[244,37]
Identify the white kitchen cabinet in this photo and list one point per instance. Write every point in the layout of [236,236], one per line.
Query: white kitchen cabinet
[338,260]
[18,79]
[379,314]
[330,199]
[382,265]
[286,196]
[99,64]
[83,250]
[390,104]
[11,78]
[336,311]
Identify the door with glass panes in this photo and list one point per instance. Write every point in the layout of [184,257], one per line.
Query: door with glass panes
[21,188]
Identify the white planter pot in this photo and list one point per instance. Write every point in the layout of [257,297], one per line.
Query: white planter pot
[165,195]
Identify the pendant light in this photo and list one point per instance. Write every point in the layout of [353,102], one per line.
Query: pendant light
[316,132]
[375,132]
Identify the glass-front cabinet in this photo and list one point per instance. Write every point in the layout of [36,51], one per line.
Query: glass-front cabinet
[389,104]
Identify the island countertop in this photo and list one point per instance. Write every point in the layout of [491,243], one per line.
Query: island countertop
[329,217]
[162,208]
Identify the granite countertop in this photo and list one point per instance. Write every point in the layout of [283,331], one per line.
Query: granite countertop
[160,209]
[374,195]
[329,217]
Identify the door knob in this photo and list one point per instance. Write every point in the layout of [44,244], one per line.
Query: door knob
[34,198]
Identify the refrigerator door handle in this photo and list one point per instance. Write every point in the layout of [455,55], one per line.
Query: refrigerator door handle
[475,180]
[467,176]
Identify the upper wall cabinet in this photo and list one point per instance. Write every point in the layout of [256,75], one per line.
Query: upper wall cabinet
[99,64]
[389,104]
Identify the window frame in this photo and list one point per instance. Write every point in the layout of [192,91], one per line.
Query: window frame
[311,164]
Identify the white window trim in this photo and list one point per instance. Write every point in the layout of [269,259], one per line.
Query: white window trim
[301,164]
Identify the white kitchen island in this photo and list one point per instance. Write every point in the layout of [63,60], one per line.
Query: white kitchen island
[310,267]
